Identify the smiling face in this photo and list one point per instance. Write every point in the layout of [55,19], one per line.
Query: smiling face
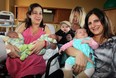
[36,15]
[95,25]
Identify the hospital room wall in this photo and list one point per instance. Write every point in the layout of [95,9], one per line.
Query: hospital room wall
[2,5]
[7,5]
[87,4]
[69,4]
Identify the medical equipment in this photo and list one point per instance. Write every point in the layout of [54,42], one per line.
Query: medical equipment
[6,20]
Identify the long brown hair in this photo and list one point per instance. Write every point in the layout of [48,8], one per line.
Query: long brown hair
[104,21]
[28,22]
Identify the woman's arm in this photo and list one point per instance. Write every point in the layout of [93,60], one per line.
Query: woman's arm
[38,45]
[20,28]
[41,44]
[81,59]
[13,51]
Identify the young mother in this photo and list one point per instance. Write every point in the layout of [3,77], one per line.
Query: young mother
[31,30]
[98,26]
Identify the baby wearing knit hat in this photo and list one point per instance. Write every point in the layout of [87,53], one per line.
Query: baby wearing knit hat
[65,22]
[64,35]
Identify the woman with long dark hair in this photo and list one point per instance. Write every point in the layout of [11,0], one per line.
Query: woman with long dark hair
[31,30]
[98,27]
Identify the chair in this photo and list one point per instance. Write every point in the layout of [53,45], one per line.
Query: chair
[54,64]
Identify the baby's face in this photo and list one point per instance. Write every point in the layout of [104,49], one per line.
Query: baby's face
[13,35]
[65,28]
[81,33]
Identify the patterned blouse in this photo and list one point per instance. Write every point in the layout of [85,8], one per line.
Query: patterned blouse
[105,57]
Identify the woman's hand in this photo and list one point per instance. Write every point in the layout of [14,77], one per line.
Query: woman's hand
[81,61]
[13,51]
[38,45]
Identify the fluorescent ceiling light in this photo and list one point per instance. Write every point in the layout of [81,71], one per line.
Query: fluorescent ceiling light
[47,11]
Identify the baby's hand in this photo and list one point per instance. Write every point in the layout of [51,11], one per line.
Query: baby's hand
[69,37]
[60,51]
[85,42]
